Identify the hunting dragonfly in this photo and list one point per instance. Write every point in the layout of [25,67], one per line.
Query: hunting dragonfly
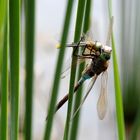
[99,55]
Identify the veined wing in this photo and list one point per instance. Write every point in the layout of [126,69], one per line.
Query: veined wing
[67,66]
[87,65]
[91,84]
[110,31]
[102,101]
[88,36]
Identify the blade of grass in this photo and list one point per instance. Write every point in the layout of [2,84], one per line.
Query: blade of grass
[29,46]
[75,122]
[2,19]
[118,93]
[4,82]
[87,16]
[2,13]
[56,83]
[14,12]
[78,29]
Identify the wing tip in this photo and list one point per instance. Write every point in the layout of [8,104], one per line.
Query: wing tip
[101,115]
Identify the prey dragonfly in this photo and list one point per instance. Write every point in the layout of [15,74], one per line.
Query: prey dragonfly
[99,55]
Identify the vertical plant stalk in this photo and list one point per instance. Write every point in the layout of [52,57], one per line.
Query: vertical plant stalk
[87,16]
[75,122]
[29,47]
[2,15]
[14,12]
[55,88]
[4,82]
[78,29]
[2,22]
[118,93]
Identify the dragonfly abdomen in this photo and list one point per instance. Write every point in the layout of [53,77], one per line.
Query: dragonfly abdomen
[84,77]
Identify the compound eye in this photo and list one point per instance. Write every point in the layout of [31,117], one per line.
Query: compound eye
[107,49]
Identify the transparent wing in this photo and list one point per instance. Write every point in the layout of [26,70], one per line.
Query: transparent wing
[109,31]
[67,66]
[91,84]
[102,101]
[87,65]
[87,36]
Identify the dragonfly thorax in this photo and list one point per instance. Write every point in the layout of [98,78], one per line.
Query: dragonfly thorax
[106,53]
[91,48]
[94,45]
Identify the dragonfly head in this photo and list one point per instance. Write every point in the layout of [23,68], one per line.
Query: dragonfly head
[107,49]
[106,52]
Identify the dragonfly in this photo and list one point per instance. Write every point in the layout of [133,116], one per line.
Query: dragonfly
[99,55]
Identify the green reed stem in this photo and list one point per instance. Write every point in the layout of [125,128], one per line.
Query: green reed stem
[87,17]
[75,122]
[78,29]
[14,12]
[29,45]
[2,22]
[118,93]
[117,84]
[4,82]
[2,13]
[56,83]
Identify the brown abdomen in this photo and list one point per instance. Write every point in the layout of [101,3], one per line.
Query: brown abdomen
[100,67]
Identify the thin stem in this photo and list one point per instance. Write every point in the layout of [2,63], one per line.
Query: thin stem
[78,29]
[75,122]
[55,88]
[14,12]
[4,94]
[117,84]
[29,45]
